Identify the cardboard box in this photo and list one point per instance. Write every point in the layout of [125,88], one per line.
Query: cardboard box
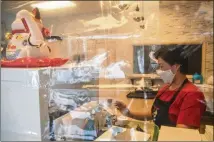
[178,134]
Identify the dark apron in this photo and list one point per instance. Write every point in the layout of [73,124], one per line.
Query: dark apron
[160,109]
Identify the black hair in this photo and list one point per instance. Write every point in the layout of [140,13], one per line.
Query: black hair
[173,54]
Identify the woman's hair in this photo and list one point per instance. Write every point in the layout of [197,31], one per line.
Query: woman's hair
[173,54]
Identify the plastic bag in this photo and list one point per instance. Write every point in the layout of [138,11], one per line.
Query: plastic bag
[65,68]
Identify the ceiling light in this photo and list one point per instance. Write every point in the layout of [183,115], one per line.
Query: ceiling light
[124,2]
[48,5]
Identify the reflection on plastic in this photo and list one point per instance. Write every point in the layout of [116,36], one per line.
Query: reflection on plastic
[76,113]
[114,70]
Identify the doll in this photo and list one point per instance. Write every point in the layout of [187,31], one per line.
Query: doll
[27,39]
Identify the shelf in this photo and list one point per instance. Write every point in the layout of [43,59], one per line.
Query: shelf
[151,76]
[139,76]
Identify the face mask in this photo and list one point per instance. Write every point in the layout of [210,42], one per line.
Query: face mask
[167,76]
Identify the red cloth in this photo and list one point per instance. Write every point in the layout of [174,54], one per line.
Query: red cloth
[30,62]
[188,107]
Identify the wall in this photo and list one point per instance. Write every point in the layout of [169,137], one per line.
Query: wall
[7,18]
[176,22]
[192,22]
[166,22]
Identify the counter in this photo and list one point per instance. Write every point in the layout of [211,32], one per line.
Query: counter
[25,98]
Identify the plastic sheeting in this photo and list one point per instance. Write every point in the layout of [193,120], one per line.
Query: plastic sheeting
[75,100]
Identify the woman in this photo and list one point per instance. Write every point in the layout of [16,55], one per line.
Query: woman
[179,103]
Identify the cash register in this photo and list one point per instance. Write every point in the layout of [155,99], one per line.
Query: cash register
[146,93]
[146,89]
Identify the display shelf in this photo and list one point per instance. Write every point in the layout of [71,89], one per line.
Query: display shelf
[139,76]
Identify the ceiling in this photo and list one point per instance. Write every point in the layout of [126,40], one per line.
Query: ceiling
[87,12]
[82,7]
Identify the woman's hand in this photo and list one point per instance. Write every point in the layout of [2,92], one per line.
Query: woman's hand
[121,107]
[139,115]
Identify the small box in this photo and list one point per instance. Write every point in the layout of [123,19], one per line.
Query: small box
[178,134]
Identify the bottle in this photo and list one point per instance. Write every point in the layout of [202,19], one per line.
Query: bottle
[197,79]
[202,129]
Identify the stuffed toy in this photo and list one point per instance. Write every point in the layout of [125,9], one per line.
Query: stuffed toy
[29,39]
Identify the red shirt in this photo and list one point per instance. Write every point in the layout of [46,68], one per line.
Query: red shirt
[188,107]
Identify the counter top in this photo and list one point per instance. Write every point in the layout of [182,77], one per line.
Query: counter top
[134,135]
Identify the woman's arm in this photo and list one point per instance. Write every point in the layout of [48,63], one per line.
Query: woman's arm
[191,111]
[140,115]
[185,126]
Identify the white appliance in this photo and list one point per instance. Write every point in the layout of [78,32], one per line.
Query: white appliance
[25,97]
[24,109]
